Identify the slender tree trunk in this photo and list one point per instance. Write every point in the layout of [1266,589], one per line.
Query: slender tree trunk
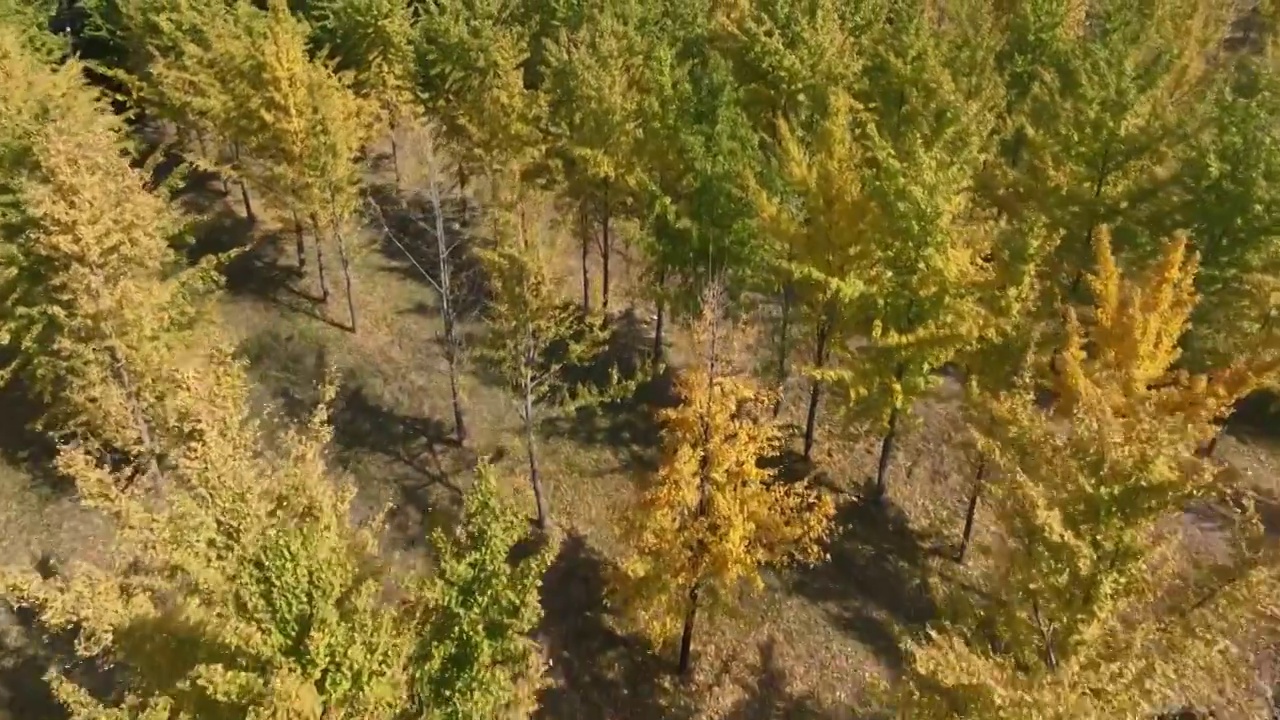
[1211,447]
[972,511]
[585,231]
[784,348]
[606,250]
[886,446]
[686,637]
[455,394]
[815,388]
[660,316]
[319,243]
[140,424]
[462,191]
[529,445]
[346,277]
[244,186]
[299,244]
[886,454]
[445,286]
[395,157]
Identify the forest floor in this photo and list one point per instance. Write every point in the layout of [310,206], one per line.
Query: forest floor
[802,649]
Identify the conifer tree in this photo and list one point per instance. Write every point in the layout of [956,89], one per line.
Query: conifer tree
[476,660]
[1228,187]
[700,148]
[712,517]
[791,58]
[533,333]
[1102,97]
[247,592]
[1086,608]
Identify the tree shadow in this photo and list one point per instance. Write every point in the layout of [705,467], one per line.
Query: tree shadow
[769,695]
[1256,416]
[406,227]
[875,584]
[414,456]
[599,673]
[28,650]
[21,444]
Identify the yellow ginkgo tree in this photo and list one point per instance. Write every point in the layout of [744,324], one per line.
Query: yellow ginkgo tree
[1085,606]
[711,517]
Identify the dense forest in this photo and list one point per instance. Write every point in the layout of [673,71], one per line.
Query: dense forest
[653,359]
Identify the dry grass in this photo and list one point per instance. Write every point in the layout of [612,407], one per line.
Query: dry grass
[799,650]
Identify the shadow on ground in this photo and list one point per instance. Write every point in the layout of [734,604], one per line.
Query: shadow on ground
[599,674]
[21,445]
[875,583]
[769,696]
[413,456]
[27,652]
[628,424]
[1257,416]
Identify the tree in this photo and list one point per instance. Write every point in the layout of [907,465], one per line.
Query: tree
[475,659]
[791,59]
[309,126]
[534,334]
[1083,609]
[826,230]
[89,283]
[712,517]
[591,80]
[470,54]
[1092,138]
[1230,206]
[446,244]
[375,40]
[700,148]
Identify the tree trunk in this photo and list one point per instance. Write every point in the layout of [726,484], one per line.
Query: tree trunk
[1210,447]
[605,251]
[784,349]
[445,286]
[462,191]
[686,637]
[346,277]
[319,243]
[585,230]
[971,512]
[299,244]
[244,186]
[660,316]
[886,454]
[140,424]
[815,389]
[455,395]
[534,478]
[395,157]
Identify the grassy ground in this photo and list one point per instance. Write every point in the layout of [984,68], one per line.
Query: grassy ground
[800,650]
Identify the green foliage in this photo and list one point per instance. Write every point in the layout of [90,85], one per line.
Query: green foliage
[374,39]
[470,55]
[1083,609]
[475,661]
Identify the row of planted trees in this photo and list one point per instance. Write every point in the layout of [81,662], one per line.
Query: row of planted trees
[237,585]
[908,185]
